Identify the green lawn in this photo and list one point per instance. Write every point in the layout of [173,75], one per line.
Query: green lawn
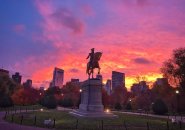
[65,121]
[18,108]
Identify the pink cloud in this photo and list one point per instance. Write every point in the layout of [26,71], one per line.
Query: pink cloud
[87,9]
[65,17]
[130,32]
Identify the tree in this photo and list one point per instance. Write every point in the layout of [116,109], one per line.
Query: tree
[7,85]
[105,98]
[71,92]
[6,101]
[140,78]
[128,106]
[53,91]
[119,95]
[174,68]
[142,101]
[49,101]
[118,106]
[66,102]
[28,96]
[159,107]
[165,92]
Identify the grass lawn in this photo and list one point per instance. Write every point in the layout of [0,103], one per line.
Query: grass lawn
[65,121]
[17,108]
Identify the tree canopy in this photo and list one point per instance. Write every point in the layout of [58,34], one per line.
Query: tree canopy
[174,68]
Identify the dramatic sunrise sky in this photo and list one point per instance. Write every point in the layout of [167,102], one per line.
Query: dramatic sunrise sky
[135,36]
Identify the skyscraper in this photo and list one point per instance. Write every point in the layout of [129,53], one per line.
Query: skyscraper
[162,81]
[17,77]
[58,77]
[118,79]
[28,83]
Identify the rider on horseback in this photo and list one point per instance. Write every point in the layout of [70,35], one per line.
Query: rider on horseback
[91,57]
[93,62]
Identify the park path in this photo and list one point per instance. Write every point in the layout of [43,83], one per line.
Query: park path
[12,126]
[178,118]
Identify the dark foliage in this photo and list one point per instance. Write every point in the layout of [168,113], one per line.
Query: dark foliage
[66,102]
[159,107]
[6,101]
[128,106]
[174,68]
[49,102]
[118,106]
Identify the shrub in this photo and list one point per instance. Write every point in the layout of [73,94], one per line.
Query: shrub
[49,102]
[159,107]
[118,106]
[66,102]
[6,101]
[128,106]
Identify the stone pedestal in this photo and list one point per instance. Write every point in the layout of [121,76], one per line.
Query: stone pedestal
[91,100]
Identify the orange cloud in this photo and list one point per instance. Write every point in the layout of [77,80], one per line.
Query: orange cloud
[132,41]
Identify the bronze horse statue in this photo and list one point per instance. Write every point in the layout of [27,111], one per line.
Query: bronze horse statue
[94,64]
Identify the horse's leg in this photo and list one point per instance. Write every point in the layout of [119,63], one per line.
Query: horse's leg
[92,73]
[89,73]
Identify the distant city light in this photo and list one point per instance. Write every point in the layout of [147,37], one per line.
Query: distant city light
[41,109]
[130,100]
[80,90]
[177,91]
[40,93]
[45,89]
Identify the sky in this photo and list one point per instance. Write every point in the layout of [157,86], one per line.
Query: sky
[135,36]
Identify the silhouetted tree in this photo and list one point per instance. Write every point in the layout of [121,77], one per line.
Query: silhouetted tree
[159,107]
[128,106]
[5,101]
[142,101]
[7,85]
[28,96]
[71,91]
[165,92]
[49,101]
[119,95]
[174,68]
[105,98]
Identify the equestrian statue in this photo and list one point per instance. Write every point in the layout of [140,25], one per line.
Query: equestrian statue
[93,62]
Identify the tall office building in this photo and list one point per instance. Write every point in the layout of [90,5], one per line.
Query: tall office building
[17,77]
[162,81]
[28,83]
[118,79]
[58,77]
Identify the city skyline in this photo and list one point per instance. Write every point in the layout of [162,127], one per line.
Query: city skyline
[135,36]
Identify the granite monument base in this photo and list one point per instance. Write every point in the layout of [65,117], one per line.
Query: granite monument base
[91,100]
